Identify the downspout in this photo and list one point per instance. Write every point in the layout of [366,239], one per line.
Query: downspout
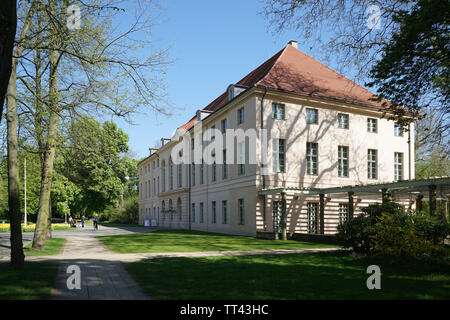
[263,164]
[189,196]
[409,151]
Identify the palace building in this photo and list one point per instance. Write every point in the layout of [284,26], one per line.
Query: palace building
[288,142]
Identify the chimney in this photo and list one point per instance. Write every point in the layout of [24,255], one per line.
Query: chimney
[294,44]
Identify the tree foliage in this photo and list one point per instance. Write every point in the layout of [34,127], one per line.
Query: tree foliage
[414,70]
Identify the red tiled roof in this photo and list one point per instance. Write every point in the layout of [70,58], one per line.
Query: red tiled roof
[291,70]
[298,72]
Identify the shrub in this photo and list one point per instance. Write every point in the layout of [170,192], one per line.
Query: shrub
[396,236]
[431,228]
[384,229]
[358,232]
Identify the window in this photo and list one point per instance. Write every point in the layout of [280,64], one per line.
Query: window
[179,210]
[398,166]
[154,186]
[398,130]
[312,116]
[158,185]
[372,125]
[180,175]
[278,111]
[342,161]
[240,114]
[213,128]
[224,125]
[242,158]
[163,177]
[312,217]
[372,164]
[224,212]
[278,152]
[311,158]
[171,174]
[193,173]
[146,189]
[202,165]
[192,143]
[224,168]
[241,211]
[343,212]
[213,212]
[201,212]
[193,212]
[214,171]
[343,121]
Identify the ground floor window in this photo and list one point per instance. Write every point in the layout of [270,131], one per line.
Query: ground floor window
[312,217]
[213,211]
[276,213]
[201,212]
[241,211]
[343,212]
[224,212]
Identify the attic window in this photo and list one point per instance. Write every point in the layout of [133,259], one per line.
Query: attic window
[230,93]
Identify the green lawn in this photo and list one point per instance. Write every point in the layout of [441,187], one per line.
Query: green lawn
[52,247]
[188,241]
[32,281]
[326,275]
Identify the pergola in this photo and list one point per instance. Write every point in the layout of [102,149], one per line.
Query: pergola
[436,188]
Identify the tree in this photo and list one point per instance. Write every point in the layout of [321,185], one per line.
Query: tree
[8,25]
[90,72]
[400,48]
[17,256]
[94,160]
[352,33]
[414,71]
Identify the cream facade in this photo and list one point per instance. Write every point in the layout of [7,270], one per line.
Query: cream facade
[311,142]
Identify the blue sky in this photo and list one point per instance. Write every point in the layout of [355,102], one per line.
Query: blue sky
[213,44]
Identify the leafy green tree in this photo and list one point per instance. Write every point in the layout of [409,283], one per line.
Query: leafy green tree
[95,161]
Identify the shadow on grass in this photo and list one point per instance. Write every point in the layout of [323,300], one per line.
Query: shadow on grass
[32,281]
[287,277]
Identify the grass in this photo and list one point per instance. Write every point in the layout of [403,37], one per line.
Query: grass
[325,275]
[52,246]
[189,241]
[32,281]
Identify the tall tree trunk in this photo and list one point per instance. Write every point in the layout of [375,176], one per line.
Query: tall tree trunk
[43,223]
[8,25]
[17,257]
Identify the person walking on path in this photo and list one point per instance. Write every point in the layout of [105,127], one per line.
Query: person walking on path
[70,221]
[83,218]
[95,222]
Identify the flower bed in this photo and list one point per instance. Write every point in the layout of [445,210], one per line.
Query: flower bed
[5,227]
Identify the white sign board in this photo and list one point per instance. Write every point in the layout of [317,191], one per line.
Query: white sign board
[153,223]
[146,223]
